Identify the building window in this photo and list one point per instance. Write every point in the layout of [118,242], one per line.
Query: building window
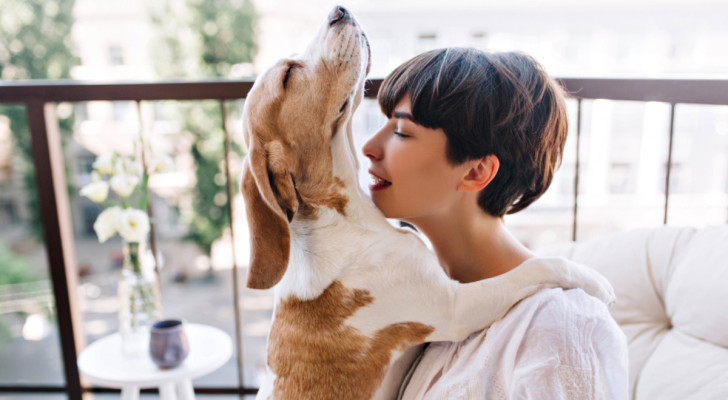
[116,55]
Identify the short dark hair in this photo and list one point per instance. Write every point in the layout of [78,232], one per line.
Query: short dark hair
[488,103]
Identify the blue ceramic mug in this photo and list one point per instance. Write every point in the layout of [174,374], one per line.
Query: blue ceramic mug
[168,344]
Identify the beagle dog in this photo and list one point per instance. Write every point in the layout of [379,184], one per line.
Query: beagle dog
[352,292]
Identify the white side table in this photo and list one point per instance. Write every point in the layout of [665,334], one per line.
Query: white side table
[103,364]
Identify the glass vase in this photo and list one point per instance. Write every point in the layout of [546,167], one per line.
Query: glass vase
[139,301]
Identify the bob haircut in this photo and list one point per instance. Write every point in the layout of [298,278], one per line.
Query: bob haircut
[488,103]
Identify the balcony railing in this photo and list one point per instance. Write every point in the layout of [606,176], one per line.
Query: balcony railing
[39,98]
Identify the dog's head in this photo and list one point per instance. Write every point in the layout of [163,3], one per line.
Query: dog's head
[291,114]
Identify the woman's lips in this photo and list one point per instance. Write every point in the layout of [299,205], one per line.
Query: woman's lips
[377,182]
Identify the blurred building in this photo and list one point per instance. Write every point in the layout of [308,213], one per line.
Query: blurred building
[624,143]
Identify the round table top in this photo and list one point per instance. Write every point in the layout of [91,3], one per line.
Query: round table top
[103,363]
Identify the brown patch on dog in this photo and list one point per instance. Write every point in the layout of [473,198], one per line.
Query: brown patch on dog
[315,356]
[333,199]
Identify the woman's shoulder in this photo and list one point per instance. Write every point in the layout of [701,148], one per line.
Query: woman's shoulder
[572,303]
[570,315]
[575,303]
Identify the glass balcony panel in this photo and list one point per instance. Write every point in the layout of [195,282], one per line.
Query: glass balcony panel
[29,339]
[193,220]
[623,156]
[195,284]
[699,178]
[100,128]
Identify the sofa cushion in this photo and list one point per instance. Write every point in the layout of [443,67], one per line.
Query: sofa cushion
[672,296]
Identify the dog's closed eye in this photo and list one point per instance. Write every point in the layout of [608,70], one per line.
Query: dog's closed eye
[343,106]
[288,73]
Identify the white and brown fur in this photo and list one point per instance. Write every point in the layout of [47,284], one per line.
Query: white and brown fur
[352,292]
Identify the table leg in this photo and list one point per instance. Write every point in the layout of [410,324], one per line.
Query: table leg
[186,391]
[168,391]
[130,393]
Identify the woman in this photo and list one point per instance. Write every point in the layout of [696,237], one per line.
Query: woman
[472,136]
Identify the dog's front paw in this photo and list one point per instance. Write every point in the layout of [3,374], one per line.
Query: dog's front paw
[596,285]
[564,273]
[591,282]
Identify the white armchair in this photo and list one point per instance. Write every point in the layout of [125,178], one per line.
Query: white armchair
[672,303]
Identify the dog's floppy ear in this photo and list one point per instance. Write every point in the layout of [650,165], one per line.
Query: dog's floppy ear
[271,202]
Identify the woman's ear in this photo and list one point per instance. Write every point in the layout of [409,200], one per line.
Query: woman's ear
[480,174]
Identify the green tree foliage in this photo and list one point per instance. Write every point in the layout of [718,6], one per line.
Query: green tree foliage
[15,268]
[226,33]
[35,39]
[35,43]
[204,38]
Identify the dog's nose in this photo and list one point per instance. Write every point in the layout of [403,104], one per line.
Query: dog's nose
[338,14]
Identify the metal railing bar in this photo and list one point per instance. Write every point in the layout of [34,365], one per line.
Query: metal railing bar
[69,90]
[18,388]
[98,389]
[577,165]
[32,389]
[669,161]
[58,235]
[198,390]
[236,271]
[694,91]
[371,89]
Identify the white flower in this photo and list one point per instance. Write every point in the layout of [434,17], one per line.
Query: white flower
[163,164]
[133,225]
[96,191]
[107,223]
[124,184]
[104,164]
[119,165]
[133,168]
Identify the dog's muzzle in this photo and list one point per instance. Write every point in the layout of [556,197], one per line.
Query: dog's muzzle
[339,14]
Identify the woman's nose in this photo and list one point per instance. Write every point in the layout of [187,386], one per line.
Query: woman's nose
[372,149]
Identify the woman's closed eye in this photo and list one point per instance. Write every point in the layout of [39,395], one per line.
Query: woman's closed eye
[401,135]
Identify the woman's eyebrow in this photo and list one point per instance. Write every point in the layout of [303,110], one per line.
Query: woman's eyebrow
[400,114]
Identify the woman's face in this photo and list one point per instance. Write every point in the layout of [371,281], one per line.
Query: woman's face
[411,177]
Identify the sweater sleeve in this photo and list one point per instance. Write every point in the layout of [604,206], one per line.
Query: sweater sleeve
[572,349]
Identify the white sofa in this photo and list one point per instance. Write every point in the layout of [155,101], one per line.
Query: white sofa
[672,303]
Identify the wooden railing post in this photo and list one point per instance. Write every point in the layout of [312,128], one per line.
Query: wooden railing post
[58,234]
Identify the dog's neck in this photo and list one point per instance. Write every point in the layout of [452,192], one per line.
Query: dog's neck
[360,209]
[331,232]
